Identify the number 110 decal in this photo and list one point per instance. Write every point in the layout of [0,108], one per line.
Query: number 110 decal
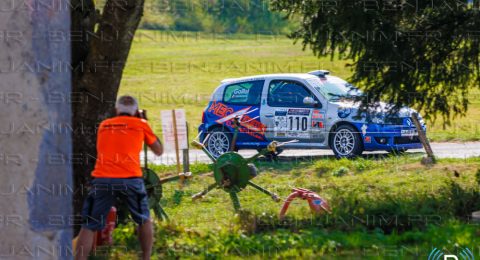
[297,123]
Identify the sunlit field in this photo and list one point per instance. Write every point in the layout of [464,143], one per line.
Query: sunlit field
[381,206]
[169,70]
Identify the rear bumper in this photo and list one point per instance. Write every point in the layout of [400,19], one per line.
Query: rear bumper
[202,131]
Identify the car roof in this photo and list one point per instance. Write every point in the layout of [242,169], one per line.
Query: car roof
[270,76]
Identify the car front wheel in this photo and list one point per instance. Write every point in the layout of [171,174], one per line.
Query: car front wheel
[218,142]
[346,142]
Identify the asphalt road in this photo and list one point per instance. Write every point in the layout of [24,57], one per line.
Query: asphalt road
[441,150]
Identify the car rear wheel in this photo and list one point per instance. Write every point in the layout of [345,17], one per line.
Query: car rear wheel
[346,142]
[219,141]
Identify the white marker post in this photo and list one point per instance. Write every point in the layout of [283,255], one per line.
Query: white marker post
[174,128]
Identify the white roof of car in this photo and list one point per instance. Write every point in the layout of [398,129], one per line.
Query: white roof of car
[271,76]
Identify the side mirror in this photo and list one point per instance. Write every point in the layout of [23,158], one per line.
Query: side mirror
[309,101]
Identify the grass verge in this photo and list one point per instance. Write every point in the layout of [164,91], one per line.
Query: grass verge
[383,207]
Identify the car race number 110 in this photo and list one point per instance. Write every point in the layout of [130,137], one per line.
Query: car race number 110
[292,123]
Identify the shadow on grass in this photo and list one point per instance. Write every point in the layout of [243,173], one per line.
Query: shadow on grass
[284,164]
[310,158]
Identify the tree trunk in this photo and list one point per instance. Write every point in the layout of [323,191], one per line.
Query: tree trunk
[100,47]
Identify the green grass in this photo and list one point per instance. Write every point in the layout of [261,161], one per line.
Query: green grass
[167,70]
[385,205]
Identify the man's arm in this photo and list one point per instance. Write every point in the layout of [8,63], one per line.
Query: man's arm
[156,147]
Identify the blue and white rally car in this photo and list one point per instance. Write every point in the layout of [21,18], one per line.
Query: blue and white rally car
[318,110]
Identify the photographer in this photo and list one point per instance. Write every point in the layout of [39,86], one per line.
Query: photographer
[117,173]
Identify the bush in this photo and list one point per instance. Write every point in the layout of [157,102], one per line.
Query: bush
[341,171]
[322,167]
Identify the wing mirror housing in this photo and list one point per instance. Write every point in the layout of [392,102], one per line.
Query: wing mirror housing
[309,101]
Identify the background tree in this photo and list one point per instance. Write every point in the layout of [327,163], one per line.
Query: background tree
[419,53]
[100,46]
[219,16]
[251,16]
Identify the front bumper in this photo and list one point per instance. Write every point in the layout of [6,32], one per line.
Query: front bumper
[389,137]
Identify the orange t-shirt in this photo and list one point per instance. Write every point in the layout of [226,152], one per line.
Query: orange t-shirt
[119,143]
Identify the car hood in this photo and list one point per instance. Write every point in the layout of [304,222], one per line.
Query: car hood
[379,109]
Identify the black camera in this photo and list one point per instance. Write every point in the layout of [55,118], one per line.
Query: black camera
[141,113]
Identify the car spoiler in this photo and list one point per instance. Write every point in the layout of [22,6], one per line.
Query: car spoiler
[319,73]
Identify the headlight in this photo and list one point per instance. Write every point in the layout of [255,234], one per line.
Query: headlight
[420,119]
[343,112]
[378,120]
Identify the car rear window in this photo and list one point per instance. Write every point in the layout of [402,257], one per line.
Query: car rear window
[244,93]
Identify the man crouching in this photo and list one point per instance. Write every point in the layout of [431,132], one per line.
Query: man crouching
[117,173]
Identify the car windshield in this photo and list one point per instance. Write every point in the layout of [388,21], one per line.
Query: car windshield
[334,88]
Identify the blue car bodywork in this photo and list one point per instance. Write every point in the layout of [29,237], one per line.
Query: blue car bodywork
[315,124]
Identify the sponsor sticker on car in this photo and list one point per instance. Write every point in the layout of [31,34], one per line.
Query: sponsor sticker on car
[318,118]
[299,111]
[409,132]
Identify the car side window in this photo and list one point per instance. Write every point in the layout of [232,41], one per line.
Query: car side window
[288,93]
[245,93]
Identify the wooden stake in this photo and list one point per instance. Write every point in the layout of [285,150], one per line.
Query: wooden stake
[186,157]
[177,154]
[423,138]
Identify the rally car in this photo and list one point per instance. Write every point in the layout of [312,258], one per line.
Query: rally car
[315,110]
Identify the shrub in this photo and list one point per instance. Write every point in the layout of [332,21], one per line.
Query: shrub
[341,171]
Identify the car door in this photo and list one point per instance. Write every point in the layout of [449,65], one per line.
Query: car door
[292,112]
